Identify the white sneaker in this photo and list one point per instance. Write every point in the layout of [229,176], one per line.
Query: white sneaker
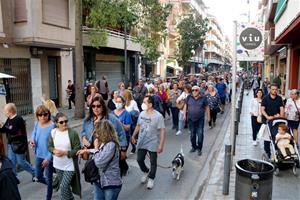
[144,178]
[179,132]
[254,143]
[150,183]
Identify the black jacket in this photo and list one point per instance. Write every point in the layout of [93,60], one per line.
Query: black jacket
[8,181]
[13,127]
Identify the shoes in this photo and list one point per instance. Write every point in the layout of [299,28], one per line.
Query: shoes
[35,179]
[192,150]
[178,133]
[254,143]
[144,178]
[287,158]
[132,151]
[222,112]
[70,108]
[199,152]
[150,184]
[210,127]
[213,124]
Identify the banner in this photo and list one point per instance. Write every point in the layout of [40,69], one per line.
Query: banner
[250,42]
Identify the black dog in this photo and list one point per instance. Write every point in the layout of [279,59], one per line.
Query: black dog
[177,165]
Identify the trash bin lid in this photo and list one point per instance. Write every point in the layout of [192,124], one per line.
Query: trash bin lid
[248,167]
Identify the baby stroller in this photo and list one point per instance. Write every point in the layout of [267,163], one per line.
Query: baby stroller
[277,158]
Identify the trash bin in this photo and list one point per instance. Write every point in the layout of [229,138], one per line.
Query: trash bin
[253,180]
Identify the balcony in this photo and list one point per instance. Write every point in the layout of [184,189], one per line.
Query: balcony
[44,23]
[115,40]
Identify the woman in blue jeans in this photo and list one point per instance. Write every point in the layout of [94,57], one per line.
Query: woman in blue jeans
[106,157]
[39,141]
[15,130]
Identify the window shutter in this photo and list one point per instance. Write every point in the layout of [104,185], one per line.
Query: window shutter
[20,11]
[56,12]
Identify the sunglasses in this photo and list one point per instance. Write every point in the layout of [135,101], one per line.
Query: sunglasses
[43,114]
[96,106]
[63,122]
[195,90]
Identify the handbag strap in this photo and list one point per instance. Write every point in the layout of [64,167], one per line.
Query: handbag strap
[296,107]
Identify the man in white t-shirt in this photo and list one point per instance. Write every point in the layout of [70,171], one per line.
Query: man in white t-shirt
[151,138]
[149,84]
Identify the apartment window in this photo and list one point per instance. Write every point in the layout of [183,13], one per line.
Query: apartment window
[20,11]
[56,12]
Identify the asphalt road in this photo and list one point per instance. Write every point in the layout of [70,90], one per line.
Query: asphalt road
[193,178]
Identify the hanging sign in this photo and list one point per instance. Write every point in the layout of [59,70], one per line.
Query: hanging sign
[250,42]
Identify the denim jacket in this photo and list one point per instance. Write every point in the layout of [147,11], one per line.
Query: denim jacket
[88,128]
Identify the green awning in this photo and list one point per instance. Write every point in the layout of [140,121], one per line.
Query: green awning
[281,5]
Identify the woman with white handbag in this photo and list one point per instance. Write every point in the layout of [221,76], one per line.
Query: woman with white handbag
[256,114]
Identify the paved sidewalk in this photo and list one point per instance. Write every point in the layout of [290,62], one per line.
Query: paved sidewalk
[286,186]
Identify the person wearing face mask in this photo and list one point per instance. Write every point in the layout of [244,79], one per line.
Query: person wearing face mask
[125,119]
[150,130]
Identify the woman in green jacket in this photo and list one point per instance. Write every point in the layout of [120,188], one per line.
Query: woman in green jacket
[63,143]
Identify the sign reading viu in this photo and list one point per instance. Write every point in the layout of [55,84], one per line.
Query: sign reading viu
[250,39]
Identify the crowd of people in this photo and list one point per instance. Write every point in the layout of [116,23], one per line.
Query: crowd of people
[132,118]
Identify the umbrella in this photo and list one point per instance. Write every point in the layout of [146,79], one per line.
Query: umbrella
[2,75]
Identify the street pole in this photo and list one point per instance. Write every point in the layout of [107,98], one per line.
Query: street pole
[125,55]
[79,101]
[233,98]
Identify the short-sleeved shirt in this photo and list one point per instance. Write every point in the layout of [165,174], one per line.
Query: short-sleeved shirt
[272,106]
[149,135]
[221,87]
[196,107]
[125,118]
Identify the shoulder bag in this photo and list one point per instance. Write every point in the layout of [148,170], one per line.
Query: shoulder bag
[297,112]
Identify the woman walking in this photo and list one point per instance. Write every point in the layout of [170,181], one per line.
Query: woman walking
[106,158]
[64,144]
[181,102]
[292,111]
[164,98]
[214,104]
[94,93]
[39,141]
[256,114]
[111,104]
[17,144]
[174,94]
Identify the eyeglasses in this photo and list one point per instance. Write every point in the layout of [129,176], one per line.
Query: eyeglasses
[195,90]
[43,114]
[96,106]
[63,122]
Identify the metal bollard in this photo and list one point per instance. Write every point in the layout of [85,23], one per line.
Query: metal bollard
[236,127]
[227,161]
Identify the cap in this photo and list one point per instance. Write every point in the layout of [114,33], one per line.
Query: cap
[195,87]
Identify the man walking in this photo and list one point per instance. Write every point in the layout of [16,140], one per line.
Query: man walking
[71,93]
[221,87]
[102,86]
[271,107]
[139,92]
[151,138]
[195,108]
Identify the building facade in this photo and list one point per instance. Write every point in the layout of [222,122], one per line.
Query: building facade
[37,38]
[282,44]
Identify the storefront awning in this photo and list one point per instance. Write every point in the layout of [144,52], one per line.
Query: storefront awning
[2,75]
[173,64]
[281,5]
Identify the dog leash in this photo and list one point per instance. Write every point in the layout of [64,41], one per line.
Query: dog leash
[161,166]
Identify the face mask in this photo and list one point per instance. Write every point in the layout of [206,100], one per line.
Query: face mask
[119,106]
[144,107]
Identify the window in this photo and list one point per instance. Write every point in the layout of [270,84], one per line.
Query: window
[20,11]
[56,12]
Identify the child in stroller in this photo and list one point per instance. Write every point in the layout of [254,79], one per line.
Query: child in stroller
[283,140]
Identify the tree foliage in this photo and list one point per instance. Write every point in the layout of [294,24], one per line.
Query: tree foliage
[146,19]
[192,30]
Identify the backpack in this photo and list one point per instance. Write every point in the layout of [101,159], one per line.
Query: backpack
[91,171]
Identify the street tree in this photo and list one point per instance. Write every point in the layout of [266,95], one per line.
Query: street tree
[144,19]
[192,30]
